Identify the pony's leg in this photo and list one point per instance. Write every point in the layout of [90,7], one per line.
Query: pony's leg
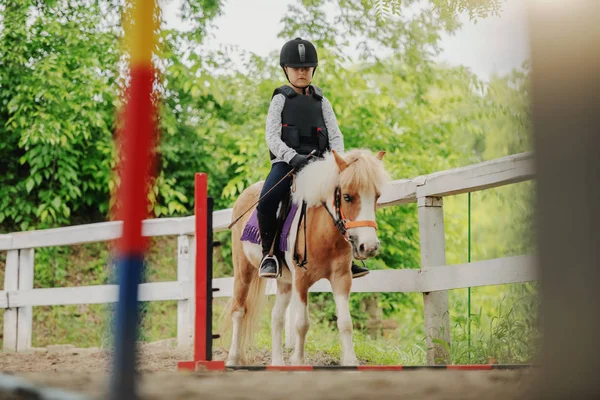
[241,284]
[340,286]
[234,351]
[282,300]
[302,324]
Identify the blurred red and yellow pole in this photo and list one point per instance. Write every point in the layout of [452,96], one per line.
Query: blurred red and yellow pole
[139,129]
[138,141]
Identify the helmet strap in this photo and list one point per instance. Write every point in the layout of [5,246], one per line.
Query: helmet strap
[299,87]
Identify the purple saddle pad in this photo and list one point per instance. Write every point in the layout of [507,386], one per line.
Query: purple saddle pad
[252,235]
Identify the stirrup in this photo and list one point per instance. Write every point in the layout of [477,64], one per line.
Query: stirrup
[277,273]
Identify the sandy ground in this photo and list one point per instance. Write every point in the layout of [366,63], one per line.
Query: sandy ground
[86,371]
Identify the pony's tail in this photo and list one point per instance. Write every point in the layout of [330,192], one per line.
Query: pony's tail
[253,308]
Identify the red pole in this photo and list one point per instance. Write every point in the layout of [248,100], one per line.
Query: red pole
[202,327]
[200,195]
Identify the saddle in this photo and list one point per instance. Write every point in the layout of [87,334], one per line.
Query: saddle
[287,212]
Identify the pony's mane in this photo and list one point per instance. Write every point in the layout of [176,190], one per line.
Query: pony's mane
[316,181]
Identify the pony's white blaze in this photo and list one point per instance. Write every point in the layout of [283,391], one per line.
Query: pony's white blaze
[365,237]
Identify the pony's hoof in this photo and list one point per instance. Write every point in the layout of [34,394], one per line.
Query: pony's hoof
[232,362]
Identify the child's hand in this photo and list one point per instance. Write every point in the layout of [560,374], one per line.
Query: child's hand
[298,162]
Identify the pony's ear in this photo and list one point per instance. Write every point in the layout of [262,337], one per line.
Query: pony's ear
[380,155]
[341,163]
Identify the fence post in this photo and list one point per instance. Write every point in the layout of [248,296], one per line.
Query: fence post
[25,314]
[433,253]
[186,259]
[11,282]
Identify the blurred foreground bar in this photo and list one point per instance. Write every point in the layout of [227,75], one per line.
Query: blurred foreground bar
[565,45]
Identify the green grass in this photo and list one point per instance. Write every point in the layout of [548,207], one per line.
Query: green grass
[504,325]
[382,351]
[81,325]
[503,330]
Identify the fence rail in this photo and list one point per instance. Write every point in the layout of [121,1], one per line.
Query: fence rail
[98,294]
[472,178]
[498,271]
[433,279]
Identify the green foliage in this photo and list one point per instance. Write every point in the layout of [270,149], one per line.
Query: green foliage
[53,266]
[60,78]
[475,8]
[505,331]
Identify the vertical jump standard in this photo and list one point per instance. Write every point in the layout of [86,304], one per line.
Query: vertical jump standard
[203,336]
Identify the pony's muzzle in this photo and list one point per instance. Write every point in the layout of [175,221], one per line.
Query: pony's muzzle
[366,250]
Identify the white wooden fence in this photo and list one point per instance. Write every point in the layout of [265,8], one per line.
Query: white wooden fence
[433,279]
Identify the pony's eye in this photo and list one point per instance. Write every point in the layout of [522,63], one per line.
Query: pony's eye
[348,198]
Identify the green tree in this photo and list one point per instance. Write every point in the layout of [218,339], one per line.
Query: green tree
[60,78]
[58,75]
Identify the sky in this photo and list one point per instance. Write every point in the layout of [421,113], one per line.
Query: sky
[492,45]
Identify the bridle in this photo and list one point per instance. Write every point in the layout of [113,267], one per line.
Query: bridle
[340,221]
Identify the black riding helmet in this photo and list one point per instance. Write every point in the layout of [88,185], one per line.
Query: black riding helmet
[298,53]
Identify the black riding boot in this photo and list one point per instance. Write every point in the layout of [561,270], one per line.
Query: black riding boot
[358,271]
[269,266]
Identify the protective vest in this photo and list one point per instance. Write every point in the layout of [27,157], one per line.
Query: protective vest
[302,124]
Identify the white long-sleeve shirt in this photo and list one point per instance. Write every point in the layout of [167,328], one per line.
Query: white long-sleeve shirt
[284,153]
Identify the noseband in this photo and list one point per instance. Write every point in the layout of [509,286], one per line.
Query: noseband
[340,221]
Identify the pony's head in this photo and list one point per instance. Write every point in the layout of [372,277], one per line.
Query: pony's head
[360,177]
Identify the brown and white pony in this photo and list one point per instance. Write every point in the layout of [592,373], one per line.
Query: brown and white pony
[360,177]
